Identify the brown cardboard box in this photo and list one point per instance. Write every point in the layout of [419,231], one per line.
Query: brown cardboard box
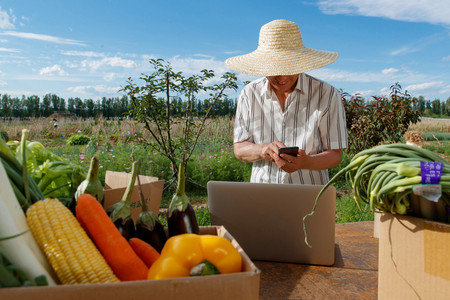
[414,258]
[243,285]
[115,185]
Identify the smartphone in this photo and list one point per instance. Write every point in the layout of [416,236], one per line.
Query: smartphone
[288,150]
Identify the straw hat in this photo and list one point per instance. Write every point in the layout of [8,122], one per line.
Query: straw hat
[281,52]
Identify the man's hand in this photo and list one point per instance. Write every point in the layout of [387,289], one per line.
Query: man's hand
[325,160]
[289,163]
[252,152]
[270,151]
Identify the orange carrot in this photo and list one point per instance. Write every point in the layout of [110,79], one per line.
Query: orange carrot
[144,250]
[122,259]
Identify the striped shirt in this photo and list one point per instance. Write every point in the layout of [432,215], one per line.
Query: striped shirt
[313,120]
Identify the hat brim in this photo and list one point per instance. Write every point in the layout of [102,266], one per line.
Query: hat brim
[283,62]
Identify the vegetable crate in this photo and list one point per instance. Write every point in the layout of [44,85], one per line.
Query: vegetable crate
[242,285]
[414,260]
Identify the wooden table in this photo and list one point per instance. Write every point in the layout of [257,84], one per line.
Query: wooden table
[354,274]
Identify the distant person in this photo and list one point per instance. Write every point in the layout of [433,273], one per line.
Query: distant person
[55,127]
[287,107]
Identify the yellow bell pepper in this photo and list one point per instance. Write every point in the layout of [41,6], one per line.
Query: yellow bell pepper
[183,252]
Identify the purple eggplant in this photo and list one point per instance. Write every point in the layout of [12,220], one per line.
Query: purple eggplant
[120,213]
[126,228]
[148,227]
[180,215]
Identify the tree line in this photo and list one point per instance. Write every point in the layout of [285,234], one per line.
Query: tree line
[116,107]
[434,108]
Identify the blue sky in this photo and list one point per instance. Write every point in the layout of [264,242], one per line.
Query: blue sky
[88,49]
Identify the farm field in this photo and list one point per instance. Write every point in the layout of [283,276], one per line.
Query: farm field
[112,141]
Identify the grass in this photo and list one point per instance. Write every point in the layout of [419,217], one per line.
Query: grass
[436,136]
[437,125]
[440,147]
[113,141]
[208,163]
[347,211]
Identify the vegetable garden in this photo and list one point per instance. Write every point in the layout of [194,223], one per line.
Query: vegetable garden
[187,148]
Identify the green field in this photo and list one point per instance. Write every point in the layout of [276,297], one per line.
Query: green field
[113,142]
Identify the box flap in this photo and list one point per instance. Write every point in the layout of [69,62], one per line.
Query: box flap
[121,179]
[152,193]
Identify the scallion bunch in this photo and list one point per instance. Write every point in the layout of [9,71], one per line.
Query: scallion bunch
[383,177]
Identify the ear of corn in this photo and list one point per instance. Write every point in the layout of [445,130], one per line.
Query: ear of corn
[66,245]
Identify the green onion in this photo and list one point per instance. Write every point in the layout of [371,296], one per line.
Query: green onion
[383,177]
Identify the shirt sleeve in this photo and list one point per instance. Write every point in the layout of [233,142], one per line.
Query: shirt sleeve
[242,120]
[333,129]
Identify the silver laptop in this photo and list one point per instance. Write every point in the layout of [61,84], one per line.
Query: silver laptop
[267,220]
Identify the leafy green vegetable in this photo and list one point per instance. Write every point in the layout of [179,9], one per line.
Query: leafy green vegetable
[55,176]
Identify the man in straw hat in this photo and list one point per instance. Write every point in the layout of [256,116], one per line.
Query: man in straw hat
[287,107]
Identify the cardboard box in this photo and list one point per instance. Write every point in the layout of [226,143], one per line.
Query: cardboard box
[414,258]
[376,223]
[242,285]
[115,186]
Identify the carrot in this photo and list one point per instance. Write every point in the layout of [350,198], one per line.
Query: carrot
[144,250]
[122,259]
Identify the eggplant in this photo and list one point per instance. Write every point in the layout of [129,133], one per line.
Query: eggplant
[155,236]
[120,213]
[127,229]
[180,215]
[148,227]
[182,221]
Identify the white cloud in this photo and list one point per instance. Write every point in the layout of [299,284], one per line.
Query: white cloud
[53,70]
[108,61]
[6,19]
[403,50]
[425,86]
[438,88]
[119,62]
[94,89]
[366,93]
[109,77]
[43,37]
[386,76]
[389,71]
[190,65]
[71,64]
[420,44]
[346,76]
[9,50]
[447,58]
[235,52]
[3,82]
[204,56]
[429,11]
[83,53]
[414,83]
[147,57]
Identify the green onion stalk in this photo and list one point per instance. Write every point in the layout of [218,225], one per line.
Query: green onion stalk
[383,177]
